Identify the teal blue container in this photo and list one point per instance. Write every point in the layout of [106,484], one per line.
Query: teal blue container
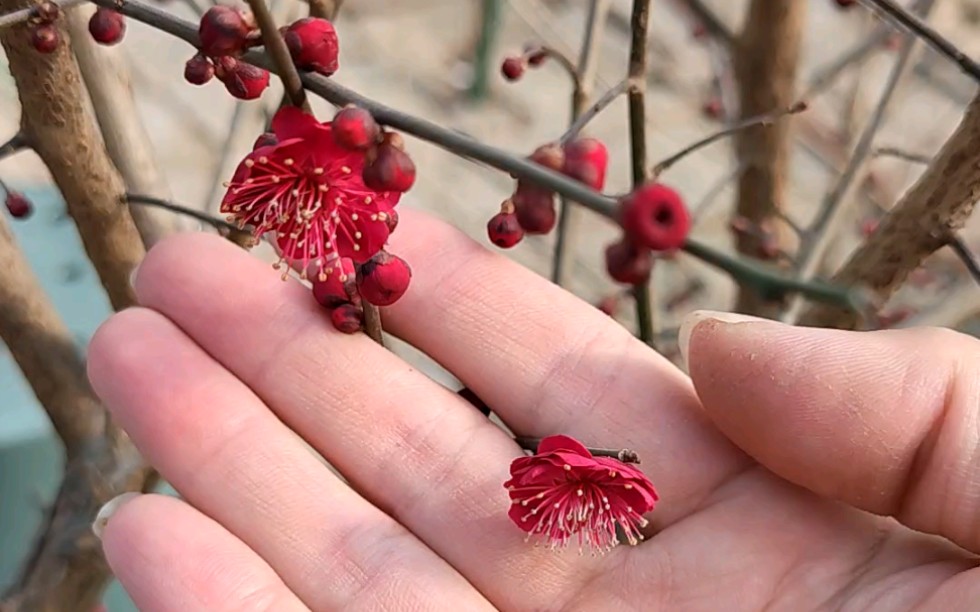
[30,454]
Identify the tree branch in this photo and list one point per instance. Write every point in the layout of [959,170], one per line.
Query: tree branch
[54,118]
[766,61]
[67,563]
[639,27]
[819,236]
[937,205]
[276,48]
[107,78]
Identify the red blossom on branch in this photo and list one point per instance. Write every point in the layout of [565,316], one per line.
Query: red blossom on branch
[563,491]
[307,191]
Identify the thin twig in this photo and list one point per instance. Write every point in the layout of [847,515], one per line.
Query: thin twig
[759,120]
[917,26]
[216,223]
[966,255]
[622,454]
[17,143]
[590,113]
[916,158]
[466,146]
[639,24]
[566,64]
[584,81]
[276,48]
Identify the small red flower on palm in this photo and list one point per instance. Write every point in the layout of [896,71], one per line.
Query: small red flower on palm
[564,492]
[308,191]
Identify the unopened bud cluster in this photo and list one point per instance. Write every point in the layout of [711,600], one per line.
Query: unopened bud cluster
[226,33]
[106,26]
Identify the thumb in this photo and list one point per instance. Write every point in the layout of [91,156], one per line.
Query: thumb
[887,421]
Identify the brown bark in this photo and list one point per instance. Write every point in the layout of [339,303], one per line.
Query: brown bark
[66,569]
[766,59]
[939,203]
[63,132]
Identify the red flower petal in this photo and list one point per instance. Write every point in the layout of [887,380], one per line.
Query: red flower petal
[561,442]
[292,122]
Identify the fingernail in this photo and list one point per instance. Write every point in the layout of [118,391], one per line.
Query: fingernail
[694,318]
[106,512]
[132,275]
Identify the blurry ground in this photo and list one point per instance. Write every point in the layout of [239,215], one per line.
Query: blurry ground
[413,54]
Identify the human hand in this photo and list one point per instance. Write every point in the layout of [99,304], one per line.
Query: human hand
[764,480]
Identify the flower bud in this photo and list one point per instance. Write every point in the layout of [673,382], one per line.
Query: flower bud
[313,44]
[384,279]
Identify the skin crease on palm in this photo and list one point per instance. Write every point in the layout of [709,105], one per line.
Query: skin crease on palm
[792,470]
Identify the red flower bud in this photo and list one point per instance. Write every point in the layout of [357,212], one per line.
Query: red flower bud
[712,109]
[355,128]
[198,70]
[45,38]
[106,26]
[535,208]
[846,3]
[224,31]
[18,205]
[46,12]
[586,160]
[244,81]
[628,263]
[390,170]
[266,139]
[512,68]
[334,284]
[655,217]
[549,155]
[313,44]
[505,230]
[384,279]
[347,318]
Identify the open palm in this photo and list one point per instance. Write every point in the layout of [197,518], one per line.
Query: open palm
[766,463]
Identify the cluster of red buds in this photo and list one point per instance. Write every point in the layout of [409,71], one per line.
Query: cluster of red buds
[531,208]
[513,67]
[106,26]
[326,193]
[225,34]
[654,220]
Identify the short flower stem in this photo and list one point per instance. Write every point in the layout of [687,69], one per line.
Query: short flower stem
[623,454]
[758,120]
[372,323]
[590,113]
[742,270]
[276,47]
